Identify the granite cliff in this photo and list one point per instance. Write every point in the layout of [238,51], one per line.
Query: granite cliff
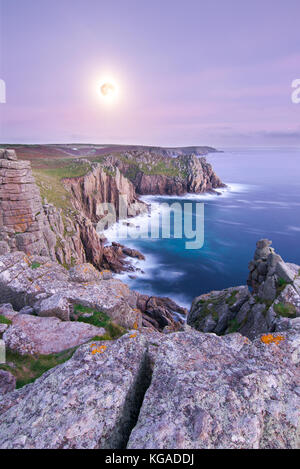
[152,173]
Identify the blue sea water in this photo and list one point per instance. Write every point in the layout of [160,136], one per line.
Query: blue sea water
[262,201]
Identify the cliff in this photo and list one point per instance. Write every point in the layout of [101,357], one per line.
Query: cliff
[152,173]
[64,233]
[61,224]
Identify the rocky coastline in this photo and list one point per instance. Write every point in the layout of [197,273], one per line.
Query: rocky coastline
[92,364]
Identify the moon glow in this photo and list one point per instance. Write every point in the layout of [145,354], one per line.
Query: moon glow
[108,90]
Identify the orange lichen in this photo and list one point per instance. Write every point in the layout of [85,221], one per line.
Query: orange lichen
[100,349]
[271,339]
[132,336]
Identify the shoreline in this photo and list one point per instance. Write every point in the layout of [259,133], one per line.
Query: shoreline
[146,269]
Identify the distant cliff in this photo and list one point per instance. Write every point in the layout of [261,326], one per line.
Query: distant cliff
[56,212]
[67,235]
[152,173]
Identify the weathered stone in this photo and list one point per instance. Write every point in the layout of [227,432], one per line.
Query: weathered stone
[213,312]
[31,334]
[284,272]
[212,392]
[4,248]
[7,311]
[10,155]
[256,323]
[83,273]
[56,305]
[27,310]
[3,328]
[91,401]
[267,290]
[7,382]
[22,285]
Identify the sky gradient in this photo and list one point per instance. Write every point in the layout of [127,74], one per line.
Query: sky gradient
[215,72]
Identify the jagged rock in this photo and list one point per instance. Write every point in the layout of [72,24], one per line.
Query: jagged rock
[276,294]
[56,305]
[256,322]
[213,312]
[7,382]
[133,253]
[290,296]
[35,335]
[27,310]
[267,289]
[3,328]
[211,392]
[4,248]
[22,220]
[160,312]
[188,173]
[91,401]
[22,285]
[83,273]
[284,272]
[7,311]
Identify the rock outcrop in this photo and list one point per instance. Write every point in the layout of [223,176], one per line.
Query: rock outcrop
[211,392]
[98,187]
[153,173]
[183,390]
[30,335]
[28,225]
[52,291]
[275,297]
[7,382]
[23,225]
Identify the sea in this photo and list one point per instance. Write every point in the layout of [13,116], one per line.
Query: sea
[261,200]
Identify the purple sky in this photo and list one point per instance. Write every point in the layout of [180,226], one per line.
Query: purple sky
[213,72]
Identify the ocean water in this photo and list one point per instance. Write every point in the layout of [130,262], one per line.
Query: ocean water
[262,201]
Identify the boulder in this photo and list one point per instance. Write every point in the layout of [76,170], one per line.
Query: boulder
[36,335]
[27,310]
[220,392]
[89,402]
[56,305]
[7,382]
[84,273]
[7,311]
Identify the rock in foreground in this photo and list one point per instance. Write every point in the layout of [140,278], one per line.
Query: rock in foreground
[221,392]
[90,402]
[34,335]
[206,391]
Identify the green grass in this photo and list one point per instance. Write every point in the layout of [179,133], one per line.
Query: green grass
[27,368]
[233,326]
[35,265]
[287,310]
[4,320]
[50,183]
[232,298]
[281,284]
[164,168]
[99,319]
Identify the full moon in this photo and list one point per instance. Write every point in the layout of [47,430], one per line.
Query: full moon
[108,90]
